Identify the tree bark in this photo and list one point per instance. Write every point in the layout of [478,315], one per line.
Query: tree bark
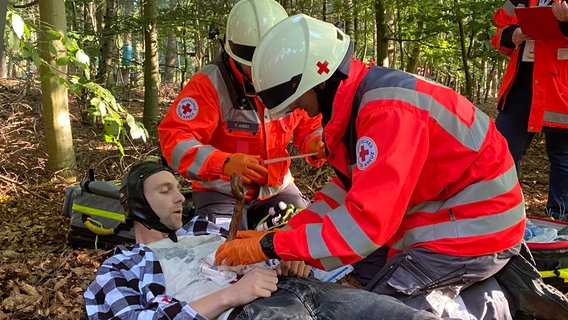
[468,83]
[151,68]
[59,139]
[382,45]
[3,66]
[171,52]
[107,44]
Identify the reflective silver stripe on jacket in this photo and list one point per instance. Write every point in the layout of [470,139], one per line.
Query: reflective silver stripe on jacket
[318,248]
[471,138]
[201,155]
[509,7]
[332,191]
[463,228]
[478,226]
[228,110]
[476,192]
[351,232]
[556,117]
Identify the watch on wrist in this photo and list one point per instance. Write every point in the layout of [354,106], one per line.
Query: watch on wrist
[267,245]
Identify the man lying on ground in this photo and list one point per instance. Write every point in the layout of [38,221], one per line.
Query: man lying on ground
[163,276]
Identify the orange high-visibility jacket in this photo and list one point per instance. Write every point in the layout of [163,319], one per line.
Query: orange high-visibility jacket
[417,166]
[549,107]
[204,126]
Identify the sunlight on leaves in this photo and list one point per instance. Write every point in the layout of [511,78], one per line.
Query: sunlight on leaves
[18,25]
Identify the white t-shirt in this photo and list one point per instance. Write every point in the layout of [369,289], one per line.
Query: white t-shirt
[181,262]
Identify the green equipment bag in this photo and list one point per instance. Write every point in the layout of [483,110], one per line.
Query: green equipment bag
[551,257]
[96,215]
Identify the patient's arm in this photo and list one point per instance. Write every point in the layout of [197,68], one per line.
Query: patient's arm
[257,283]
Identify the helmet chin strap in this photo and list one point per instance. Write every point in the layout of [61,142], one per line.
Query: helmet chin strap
[153,223]
[135,202]
[144,214]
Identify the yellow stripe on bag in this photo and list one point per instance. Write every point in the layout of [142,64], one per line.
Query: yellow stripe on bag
[559,273]
[99,212]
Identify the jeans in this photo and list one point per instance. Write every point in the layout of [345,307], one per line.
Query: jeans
[303,298]
[512,122]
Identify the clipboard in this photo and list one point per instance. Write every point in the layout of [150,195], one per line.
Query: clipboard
[539,23]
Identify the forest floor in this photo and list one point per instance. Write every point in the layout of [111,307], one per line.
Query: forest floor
[41,277]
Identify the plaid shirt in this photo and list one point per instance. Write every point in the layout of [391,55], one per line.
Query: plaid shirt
[131,283]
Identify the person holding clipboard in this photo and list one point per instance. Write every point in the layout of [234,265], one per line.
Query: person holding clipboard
[533,96]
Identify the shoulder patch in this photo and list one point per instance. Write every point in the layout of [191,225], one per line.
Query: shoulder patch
[366,152]
[187,108]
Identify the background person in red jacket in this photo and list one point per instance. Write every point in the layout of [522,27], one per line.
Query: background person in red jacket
[534,95]
[215,128]
[419,169]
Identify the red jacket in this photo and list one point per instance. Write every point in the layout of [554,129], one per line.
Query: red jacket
[417,166]
[203,126]
[549,107]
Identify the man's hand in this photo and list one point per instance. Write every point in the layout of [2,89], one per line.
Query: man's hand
[560,11]
[240,251]
[247,167]
[257,283]
[519,37]
[316,145]
[293,268]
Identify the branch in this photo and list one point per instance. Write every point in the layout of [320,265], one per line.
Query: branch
[19,185]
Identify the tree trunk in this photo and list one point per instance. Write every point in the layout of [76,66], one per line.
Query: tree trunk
[107,43]
[59,139]
[171,52]
[3,66]
[151,68]
[382,40]
[468,83]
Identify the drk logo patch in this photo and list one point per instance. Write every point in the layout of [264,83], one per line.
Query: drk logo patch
[366,152]
[187,108]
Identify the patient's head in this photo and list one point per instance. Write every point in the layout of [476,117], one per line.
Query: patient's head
[150,195]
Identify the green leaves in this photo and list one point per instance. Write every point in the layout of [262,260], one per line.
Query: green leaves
[66,50]
[19,27]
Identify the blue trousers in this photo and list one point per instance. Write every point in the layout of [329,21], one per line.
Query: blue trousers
[512,122]
[303,298]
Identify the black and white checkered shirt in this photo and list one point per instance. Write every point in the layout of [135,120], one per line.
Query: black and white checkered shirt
[131,283]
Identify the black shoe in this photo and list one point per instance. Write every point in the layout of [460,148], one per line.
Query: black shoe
[532,296]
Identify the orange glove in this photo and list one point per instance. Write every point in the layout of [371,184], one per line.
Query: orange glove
[316,145]
[247,167]
[245,234]
[240,251]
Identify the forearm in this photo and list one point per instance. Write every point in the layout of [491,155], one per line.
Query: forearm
[211,306]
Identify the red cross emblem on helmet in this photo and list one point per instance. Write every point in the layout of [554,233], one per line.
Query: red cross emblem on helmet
[322,67]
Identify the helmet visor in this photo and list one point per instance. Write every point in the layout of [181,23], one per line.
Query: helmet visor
[273,97]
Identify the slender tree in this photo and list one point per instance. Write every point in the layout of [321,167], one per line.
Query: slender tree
[171,51]
[61,155]
[3,11]
[382,39]
[107,43]
[151,68]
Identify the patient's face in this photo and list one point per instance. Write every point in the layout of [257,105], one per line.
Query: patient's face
[162,191]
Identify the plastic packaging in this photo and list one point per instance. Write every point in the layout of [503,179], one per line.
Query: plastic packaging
[534,233]
[273,218]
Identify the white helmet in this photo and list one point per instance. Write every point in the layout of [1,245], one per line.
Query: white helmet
[248,21]
[295,56]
